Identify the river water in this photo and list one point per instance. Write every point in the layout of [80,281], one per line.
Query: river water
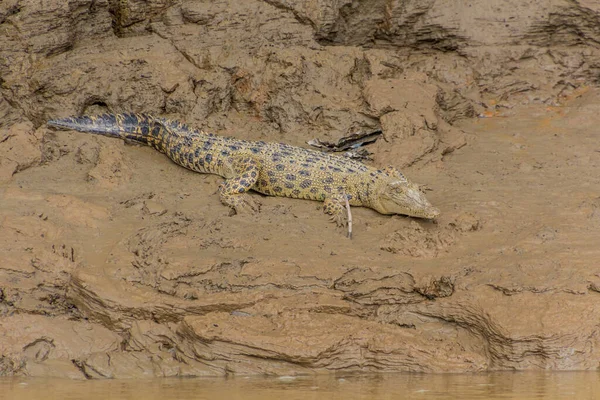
[501,385]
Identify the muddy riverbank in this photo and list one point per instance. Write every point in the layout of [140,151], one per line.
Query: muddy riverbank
[117,263]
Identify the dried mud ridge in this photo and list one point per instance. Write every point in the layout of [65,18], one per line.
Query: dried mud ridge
[117,263]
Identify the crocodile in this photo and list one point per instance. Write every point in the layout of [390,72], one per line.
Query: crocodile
[274,169]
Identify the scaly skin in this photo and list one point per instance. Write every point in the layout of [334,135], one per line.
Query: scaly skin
[274,169]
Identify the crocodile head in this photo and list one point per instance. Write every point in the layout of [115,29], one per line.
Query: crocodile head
[400,196]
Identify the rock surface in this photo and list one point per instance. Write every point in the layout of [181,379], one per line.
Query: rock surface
[116,263]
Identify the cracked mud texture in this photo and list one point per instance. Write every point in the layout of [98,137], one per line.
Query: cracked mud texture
[116,263]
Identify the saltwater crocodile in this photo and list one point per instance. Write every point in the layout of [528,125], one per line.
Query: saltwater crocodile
[274,169]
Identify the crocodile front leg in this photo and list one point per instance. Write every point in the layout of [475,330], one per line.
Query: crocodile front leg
[233,191]
[335,206]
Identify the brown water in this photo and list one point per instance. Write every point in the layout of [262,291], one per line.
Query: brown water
[566,385]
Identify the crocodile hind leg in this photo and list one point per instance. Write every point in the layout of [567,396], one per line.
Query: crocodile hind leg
[335,206]
[233,191]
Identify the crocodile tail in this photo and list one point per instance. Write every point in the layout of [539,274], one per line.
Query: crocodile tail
[136,127]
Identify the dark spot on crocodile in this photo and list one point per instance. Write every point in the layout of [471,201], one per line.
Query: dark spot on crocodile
[130,119]
[290,177]
[349,197]
[156,130]
[304,172]
[280,167]
[328,180]
[277,189]
[186,129]
[305,165]
[289,185]
[327,189]
[340,188]
[233,147]
[253,174]
[322,168]
[245,176]
[296,192]
[306,183]
[244,182]
[191,158]
[255,150]
[208,158]
[273,180]
[379,171]
[314,190]
[224,153]
[110,119]
[197,152]
[263,182]
[187,141]
[271,173]
[144,128]
[241,190]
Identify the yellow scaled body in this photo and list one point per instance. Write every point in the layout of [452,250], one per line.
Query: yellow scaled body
[274,169]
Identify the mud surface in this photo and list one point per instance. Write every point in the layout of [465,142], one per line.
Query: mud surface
[117,263]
